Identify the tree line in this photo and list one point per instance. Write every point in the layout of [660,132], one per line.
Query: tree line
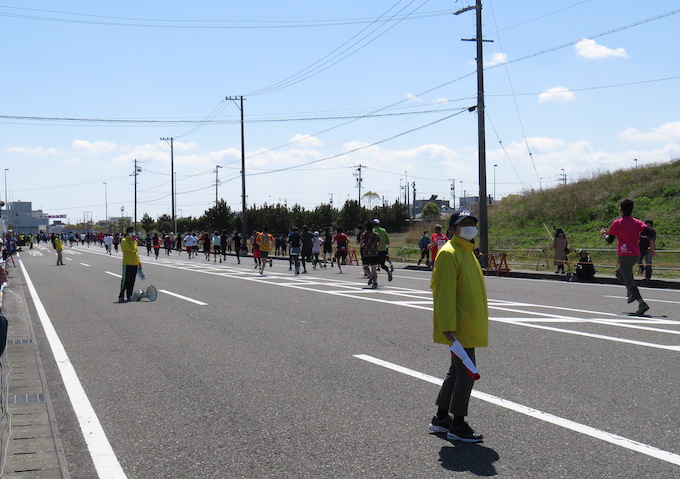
[280,217]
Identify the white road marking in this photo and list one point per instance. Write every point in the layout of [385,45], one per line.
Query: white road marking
[420,300]
[591,335]
[543,416]
[646,300]
[200,303]
[103,457]
[113,274]
[85,264]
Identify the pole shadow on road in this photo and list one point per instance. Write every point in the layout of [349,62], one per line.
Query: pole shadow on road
[477,459]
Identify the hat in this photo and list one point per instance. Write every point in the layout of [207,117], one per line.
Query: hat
[459,215]
[316,233]
[376,221]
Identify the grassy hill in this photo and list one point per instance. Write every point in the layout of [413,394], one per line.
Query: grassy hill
[521,224]
[583,207]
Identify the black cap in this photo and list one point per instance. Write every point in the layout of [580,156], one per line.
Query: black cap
[459,215]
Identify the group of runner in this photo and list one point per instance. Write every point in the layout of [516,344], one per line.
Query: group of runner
[305,247]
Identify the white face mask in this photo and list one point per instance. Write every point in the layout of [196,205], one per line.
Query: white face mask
[131,235]
[468,232]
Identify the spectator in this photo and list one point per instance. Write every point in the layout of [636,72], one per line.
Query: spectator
[647,249]
[561,250]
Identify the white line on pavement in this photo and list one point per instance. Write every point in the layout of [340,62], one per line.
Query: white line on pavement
[646,300]
[200,303]
[102,454]
[543,416]
[85,264]
[113,274]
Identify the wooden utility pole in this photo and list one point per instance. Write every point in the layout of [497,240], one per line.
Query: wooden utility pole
[172,182]
[481,132]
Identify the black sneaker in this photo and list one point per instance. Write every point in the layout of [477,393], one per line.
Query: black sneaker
[389,275]
[440,424]
[463,433]
[642,309]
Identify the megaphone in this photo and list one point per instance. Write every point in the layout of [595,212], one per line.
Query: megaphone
[149,293]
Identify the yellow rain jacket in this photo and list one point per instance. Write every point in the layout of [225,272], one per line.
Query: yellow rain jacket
[459,293]
[129,247]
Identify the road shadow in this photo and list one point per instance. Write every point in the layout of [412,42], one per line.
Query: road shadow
[475,458]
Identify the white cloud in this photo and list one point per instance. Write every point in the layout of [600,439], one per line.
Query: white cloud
[38,151]
[306,140]
[588,48]
[666,132]
[441,100]
[411,96]
[496,59]
[558,94]
[96,148]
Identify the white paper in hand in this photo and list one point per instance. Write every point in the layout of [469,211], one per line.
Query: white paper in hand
[460,353]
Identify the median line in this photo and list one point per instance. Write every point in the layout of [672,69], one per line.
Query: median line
[195,301]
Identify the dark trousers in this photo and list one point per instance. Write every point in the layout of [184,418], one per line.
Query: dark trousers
[127,282]
[626,265]
[454,394]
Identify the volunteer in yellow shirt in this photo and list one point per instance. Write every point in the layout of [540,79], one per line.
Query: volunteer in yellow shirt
[460,312]
[131,263]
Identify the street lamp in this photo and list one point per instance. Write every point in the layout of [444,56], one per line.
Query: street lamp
[635,160]
[6,203]
[217,182]
[106,203]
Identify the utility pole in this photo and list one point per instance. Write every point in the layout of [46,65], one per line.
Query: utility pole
[217,182]
[414,200]
[481,132]
[172,181]
[359,180]
[137,171]
[244,224]
[453,192]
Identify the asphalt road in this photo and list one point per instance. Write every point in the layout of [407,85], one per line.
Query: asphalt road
[243,376]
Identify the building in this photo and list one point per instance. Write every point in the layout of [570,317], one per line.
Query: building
[21,218]
[444,205]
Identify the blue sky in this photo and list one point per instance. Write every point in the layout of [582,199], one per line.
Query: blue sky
[573,87]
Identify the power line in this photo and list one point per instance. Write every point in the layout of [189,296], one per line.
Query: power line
[202,23]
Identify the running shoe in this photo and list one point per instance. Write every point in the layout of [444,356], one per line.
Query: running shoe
[389,275]
[463,433]
[642,309]
[440,424]
[374,286]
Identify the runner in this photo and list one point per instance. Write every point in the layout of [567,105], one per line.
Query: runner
[370,242]
[265,243]
[317,242]
[191,242]
[327,246]
[237,246]
[382,248]
[217,246]
[295,242]
[342,241]
[257,256]
[438,240]
[307,241]
[156,244]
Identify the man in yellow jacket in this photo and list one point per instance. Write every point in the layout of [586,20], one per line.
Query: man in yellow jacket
[59,247]
[131,263]
[460,312]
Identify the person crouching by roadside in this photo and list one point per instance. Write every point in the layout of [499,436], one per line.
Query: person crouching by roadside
[585,270]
